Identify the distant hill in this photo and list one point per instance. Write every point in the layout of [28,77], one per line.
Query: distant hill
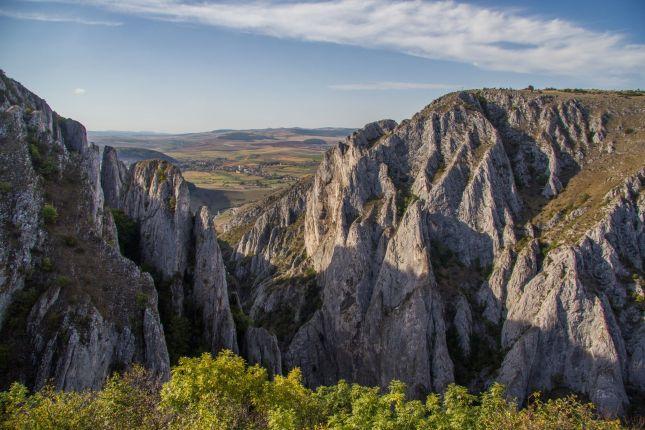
[314,141]
[132,155]
[324,131]
[126,133]
[221,139]
[246,136]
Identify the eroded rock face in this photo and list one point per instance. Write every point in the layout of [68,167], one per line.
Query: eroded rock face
[261,347]
[564,329]
[157,198]
[274,241]
[20,207]
[210,292]
[431,271]
[278,288]
[78,345]
[114,174]
[179,246]
[83,310]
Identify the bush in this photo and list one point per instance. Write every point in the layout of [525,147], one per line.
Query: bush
[161,174]
[5,187]
[63,281]
[242,321]
[47,264]
[70,241]
[404,199]
[224,393]
[39,152]
[141,300]
[172,203]
[34,152]
[128,234]
[50,214]
[178,331]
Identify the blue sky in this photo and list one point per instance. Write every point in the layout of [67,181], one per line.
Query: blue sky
[179,66]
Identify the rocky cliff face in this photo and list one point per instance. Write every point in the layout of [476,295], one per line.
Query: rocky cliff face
[210,292]
[497,235]
[276,285]
[179,247]
[73,309]
[114,175]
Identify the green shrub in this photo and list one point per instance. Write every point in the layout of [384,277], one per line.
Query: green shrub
[47,264]
[63,281]
[178,332]
[50,214]
[5,187]
[48,168]
[629,131]
[34,152]
[582,198]
[70,241]
[639,298]
[546,247]
[161,174]
[172,203]
[38,151]
[404,199]
[128,233]
[224,393]
[242,321]
[141,300]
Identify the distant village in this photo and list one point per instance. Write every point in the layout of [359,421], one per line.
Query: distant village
[223,164]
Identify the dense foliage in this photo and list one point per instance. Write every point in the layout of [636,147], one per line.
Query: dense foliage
[225,393]
[128,233]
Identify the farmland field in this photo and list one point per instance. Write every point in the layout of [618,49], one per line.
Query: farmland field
[231,167]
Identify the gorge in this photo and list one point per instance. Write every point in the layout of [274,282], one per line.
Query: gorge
[497,235]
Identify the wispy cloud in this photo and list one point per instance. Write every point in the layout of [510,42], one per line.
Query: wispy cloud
[35,16]
[381,86]
[79,91]
[489,38]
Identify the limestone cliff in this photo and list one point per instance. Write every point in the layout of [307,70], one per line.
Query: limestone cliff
[496,235]
[73,309]
[210,292]
[179,247]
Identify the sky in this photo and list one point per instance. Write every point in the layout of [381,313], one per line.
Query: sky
[188,66]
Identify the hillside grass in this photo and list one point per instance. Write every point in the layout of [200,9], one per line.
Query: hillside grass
[586,190]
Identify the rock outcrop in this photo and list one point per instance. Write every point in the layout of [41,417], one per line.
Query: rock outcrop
[276,285]
[179,246]
[73,309]
[210,292]
[261,347]
[22,199]
[469,244]
[79,343]
[114,174]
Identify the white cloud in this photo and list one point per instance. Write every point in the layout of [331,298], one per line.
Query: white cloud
[55,18]
[79,91]
[489,38]
[380,86]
